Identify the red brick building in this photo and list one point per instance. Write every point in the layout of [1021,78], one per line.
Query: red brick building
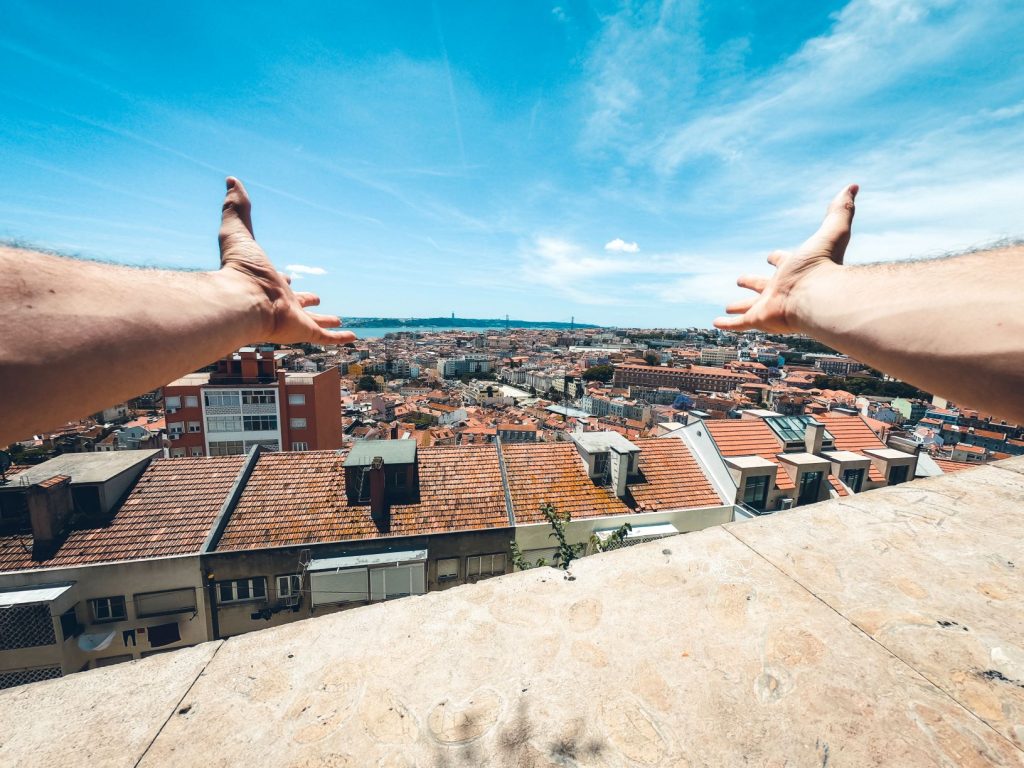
[249,400]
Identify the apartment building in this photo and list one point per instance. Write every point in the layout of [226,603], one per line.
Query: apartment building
[718,355]
[835,365]
[467,365]
[692,378]
[778,462]
[251,400]
[86,580]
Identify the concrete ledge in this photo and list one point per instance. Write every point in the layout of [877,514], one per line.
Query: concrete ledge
[884,629]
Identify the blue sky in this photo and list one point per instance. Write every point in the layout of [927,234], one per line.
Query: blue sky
[618,163]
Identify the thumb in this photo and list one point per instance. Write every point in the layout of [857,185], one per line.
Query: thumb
[834,232]
[236,215]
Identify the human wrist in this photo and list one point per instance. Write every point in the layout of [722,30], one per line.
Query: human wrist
[247,303]
[816,289]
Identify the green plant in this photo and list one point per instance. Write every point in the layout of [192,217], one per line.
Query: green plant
[565,552]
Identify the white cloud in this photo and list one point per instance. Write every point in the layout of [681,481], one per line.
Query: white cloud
[302,269]
[618,244]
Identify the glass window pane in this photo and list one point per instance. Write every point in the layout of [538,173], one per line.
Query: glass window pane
[259,588]
[242,589]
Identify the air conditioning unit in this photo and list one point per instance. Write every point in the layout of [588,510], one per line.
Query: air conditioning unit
[175,435]
[785,503]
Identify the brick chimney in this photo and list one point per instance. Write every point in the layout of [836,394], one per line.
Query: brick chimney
[378,495]
[49,507]
[813,436]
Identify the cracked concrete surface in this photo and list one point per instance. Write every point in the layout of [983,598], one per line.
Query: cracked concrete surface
[885,629]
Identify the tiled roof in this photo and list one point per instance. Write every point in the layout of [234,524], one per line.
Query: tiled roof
[554,473]
[672,478]
[294,498]
[168,512]
[947,465]
[749,437]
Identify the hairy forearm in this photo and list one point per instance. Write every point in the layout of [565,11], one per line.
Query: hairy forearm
[80,335]
[954,326]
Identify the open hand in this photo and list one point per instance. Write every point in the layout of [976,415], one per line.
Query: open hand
[285,318]
[776,307]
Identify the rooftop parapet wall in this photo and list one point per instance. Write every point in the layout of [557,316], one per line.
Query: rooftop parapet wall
[882,629]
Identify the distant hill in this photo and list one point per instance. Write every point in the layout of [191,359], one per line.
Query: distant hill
[448,322]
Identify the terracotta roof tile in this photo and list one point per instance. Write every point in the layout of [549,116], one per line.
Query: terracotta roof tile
[554,473]
[294,499]
[168,512]
[672,478]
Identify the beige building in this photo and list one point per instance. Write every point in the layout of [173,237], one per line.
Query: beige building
[89,579]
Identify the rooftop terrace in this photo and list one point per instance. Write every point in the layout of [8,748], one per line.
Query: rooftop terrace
[880,629]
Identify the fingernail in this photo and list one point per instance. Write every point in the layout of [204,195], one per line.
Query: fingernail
[230,183]
[854,189]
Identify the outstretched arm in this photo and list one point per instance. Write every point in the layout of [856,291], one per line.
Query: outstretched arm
[82,336]
[952,326]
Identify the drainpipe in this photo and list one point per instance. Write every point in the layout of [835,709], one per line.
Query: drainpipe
[211,595]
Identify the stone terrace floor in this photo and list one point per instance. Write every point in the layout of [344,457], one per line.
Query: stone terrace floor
[883,629]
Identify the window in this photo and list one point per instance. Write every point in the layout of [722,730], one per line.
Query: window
[296,399]
[176,427]
[259,397]
[195,451]
[448,569]
[108,608]
[481,566]
[755,492]
[259,423]
[165,602]
[177,453]
[810,486]
[195,426]
[172,402]
[221,399]
[300,446]
[191,401]
[297,423]
[289,586]
[226,448]
[898,474]
[853,479]
[397,479]
[69,626]
[224,423]
[397,581]
[349,585]
[240,590]
[601,462]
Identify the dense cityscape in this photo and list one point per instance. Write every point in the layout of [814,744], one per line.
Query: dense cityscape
[280,483]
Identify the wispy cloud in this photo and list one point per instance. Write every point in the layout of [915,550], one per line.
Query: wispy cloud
[618,244]
[299,270]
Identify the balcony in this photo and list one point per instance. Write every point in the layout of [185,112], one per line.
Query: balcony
[883,629]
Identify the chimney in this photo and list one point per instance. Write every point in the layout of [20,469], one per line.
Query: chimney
[619,465]
[49,507]
[813,435]
[394,431]
[378,501]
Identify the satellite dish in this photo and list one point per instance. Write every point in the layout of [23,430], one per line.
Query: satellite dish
[98,641]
